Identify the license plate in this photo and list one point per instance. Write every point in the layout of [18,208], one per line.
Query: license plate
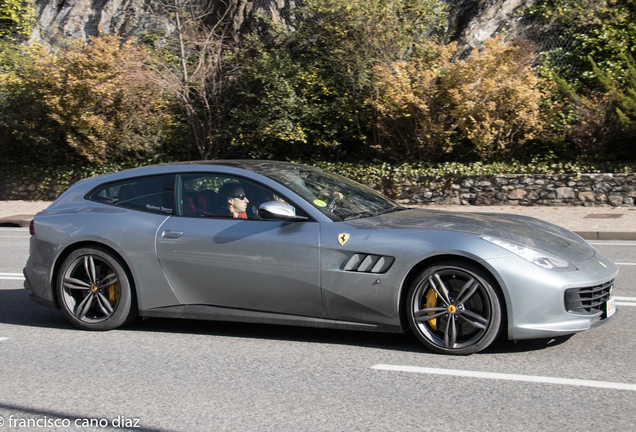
[610,307]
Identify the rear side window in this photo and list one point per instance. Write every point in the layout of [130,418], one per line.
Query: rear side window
[153,194]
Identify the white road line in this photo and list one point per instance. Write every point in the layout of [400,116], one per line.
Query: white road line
[12,276]
[625,263]
[508,377]
[625,301]
[3,339]
[613,244]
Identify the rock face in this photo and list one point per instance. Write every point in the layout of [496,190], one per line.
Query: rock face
[474,21]
[86,18]
[471,21]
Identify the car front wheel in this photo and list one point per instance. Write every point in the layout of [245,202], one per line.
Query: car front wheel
[94,290]
[454,309]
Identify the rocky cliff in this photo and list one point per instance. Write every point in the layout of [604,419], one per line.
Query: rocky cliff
[86,18]
[471,21]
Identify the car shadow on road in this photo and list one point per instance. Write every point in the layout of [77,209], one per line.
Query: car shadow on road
[505,346]
[389,341]
[17,309]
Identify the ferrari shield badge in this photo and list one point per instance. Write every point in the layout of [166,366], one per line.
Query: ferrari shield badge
[343,238]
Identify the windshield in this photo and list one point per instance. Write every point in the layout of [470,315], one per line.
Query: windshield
[337,197]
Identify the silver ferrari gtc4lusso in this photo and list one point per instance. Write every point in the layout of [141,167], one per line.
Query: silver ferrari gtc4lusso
[281,243]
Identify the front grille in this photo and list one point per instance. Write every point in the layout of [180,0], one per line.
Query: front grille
[588,301]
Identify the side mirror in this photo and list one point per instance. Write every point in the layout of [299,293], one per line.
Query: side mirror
[276,210]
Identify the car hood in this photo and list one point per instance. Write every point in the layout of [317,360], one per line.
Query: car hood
[523,230]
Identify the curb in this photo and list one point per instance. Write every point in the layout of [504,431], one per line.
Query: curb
[22,220]
[607,235]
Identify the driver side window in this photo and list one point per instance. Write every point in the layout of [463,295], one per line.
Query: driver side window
[221,196]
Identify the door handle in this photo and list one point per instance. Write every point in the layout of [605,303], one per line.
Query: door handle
[171,234]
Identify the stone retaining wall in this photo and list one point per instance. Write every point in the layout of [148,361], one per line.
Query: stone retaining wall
[503,189]
[17,190]
[519,189]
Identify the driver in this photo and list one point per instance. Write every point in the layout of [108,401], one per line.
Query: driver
[232,197]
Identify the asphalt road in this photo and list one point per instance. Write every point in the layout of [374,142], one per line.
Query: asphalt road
[171,375]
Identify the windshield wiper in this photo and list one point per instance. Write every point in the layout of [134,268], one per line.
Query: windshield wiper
[376,213]
[389,210]
[361,215]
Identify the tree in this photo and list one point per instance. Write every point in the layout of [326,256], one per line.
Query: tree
[194,65]
[496,97]
[16,18]
[493,99]
[97,95]
[308,89]
[356,35]
[414,118]
[603,30]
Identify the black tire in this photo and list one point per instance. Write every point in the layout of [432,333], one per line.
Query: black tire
[94,290]
[453,308]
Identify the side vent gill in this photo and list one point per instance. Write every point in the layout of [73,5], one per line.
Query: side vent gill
[369,263]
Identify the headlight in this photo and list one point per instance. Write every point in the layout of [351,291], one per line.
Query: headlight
[542,259]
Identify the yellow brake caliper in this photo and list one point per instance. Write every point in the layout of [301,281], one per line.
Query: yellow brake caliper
[431,302]
[113,294]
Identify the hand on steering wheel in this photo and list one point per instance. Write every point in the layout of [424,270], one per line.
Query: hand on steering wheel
[332,204]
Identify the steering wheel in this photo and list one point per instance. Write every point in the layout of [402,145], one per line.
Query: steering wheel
[332,204]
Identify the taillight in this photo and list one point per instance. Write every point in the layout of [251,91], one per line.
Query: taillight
[32,227]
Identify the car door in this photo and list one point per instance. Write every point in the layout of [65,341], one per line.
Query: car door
[252,264]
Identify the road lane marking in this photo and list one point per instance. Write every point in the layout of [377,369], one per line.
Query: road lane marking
[614,244]
[625,263]
[625,301]
[12,276]
[507,377]
[3,339]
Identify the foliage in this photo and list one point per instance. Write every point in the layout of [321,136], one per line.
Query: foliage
[307,90]
[351,80]
[289,107]
[493,99]
[423,172]
[196,66]
[414,113]
[594,74]
[64,175]
[16,18]
[351,37]
[603,30]
[496,97]
[623,98]
[96,96]
[374,173]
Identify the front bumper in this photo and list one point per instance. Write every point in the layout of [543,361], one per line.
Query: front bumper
[536,298]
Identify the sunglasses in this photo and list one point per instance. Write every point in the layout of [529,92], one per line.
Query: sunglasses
[241,196]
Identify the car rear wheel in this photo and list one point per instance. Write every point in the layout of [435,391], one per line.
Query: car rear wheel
[94,290]
[454,309]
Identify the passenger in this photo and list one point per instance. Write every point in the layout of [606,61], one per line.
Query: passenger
[232,197]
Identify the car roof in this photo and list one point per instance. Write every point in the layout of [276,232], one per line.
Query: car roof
[249,164]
